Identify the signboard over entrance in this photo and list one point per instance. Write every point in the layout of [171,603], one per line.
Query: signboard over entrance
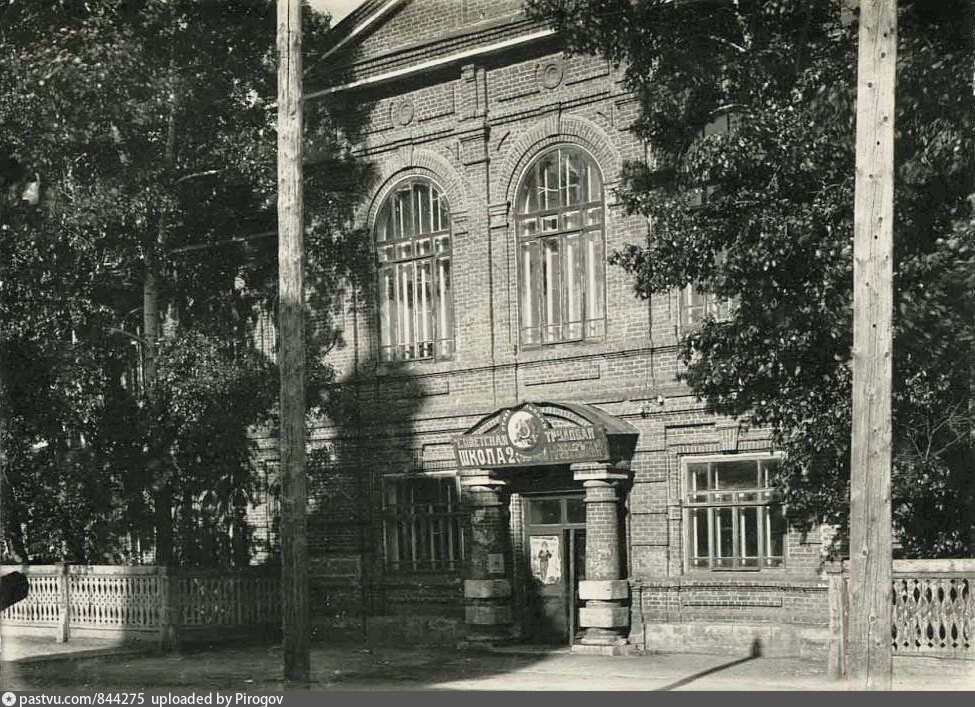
[525,438]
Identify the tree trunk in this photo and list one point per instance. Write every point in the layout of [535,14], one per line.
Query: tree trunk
[11,530]
[158,455]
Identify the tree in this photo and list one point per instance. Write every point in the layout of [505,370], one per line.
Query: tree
[761,214]
[136,237]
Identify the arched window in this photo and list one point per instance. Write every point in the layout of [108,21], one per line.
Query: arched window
[559,221]
[413,249]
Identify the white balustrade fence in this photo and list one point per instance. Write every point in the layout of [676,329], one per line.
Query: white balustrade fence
[144,603]
[934,607]
[932,612]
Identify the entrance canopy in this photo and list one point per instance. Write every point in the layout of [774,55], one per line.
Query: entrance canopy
[543,434]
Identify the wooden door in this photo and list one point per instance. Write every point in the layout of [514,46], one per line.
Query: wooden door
[555,554]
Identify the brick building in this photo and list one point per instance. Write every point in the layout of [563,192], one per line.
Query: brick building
[523,464]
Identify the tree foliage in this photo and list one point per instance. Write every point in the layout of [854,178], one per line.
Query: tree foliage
[762,214]
[138,163]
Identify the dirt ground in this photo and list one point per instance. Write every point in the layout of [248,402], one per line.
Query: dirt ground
[349,667]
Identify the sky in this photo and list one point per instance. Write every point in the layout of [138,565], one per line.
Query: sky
[337,8]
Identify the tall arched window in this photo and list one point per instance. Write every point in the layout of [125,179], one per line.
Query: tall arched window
[413,249]
[559,221]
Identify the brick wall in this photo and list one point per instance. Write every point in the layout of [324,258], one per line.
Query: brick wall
[474,128]
[723,613]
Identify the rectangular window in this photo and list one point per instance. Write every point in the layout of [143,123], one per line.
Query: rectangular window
[696,306]
[422,522]
[735,520]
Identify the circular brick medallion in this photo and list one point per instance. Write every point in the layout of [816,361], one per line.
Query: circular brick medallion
[403,112]
[551,74]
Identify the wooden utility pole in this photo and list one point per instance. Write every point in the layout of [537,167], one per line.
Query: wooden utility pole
[870,519]
[291,361]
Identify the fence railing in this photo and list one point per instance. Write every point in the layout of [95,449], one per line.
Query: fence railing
[934,607]
[143,602]
[933,611]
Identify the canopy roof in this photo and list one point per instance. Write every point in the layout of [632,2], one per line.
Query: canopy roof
[545,433]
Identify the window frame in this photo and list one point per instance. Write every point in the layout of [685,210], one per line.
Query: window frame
[454,515]
[720,309]
[592,294]
[773,503]
[717,308]
[442,344]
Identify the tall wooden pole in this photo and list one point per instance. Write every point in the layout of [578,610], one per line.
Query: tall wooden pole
[870,519]
[294,489]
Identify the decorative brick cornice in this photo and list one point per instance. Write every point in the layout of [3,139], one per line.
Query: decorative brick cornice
[461,45]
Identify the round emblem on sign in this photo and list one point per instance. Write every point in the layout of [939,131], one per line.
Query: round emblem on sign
[523,430]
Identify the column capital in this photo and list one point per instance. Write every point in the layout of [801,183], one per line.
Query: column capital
[480,477]
[600,471]
[482,496]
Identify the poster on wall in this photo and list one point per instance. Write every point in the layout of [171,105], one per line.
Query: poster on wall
[546,558]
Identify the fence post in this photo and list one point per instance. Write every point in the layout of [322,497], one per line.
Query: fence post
[168,613]
[836,658]
[239,594]
[64,604]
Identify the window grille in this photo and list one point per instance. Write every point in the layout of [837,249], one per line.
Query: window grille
[422,523]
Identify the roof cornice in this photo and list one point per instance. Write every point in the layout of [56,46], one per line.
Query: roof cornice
[434,63]
[361,27]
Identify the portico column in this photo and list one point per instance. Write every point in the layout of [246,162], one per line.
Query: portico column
[487,575]
[606,616]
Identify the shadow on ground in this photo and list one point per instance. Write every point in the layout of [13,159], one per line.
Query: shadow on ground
[695,677]
[354,667]
[245,668]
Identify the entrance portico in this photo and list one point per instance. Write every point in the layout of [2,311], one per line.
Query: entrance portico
[569,583]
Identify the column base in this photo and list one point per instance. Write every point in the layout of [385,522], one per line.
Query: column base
[604,615]
[602,637]
[617,647]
